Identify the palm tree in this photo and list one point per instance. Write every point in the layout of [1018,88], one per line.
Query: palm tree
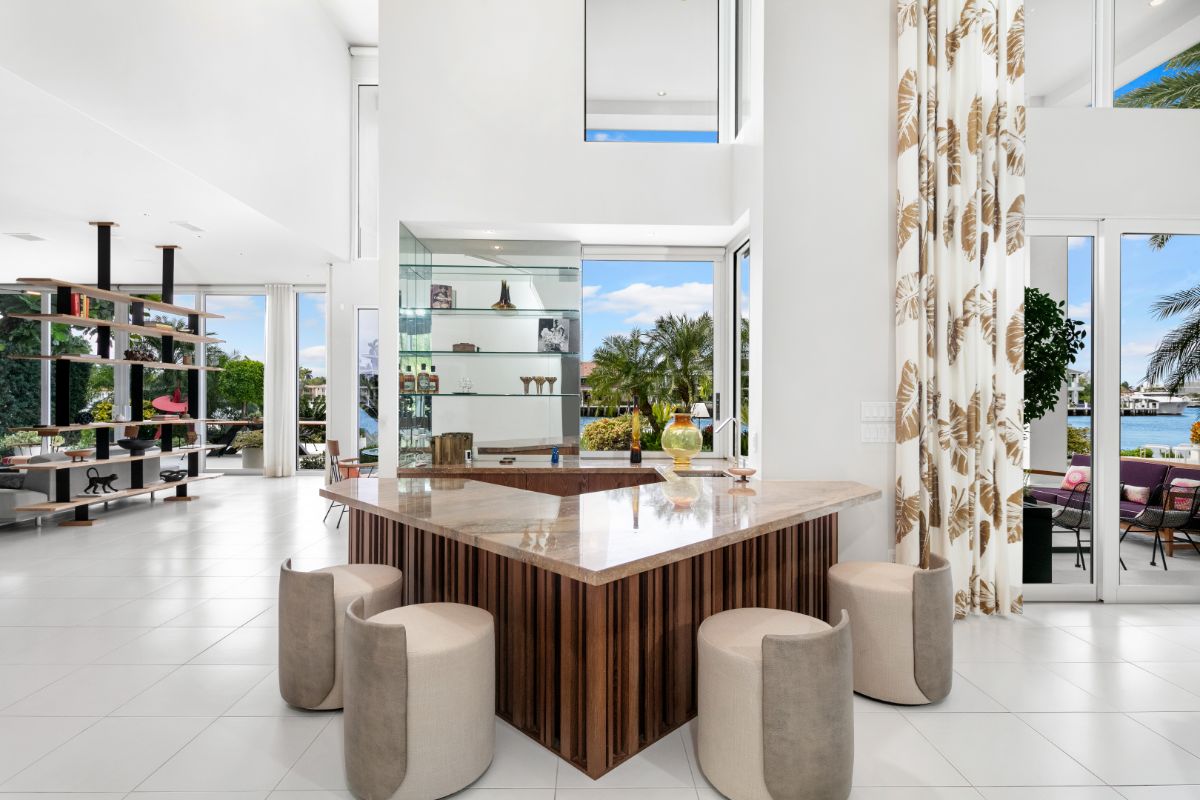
[683,351]
[1178,87]
[1176,359]
[624,369]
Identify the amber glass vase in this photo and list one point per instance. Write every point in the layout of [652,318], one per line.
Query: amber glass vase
[682,440]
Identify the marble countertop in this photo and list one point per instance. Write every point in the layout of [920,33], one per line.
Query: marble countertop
[604,536]
[540,464]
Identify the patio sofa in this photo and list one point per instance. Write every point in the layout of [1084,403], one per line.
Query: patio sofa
[1134,472]
[38,485]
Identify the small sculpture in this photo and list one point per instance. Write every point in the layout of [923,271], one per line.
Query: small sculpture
[526,381]
[172,475]
[551,381]
[540,380]
[84,418]
[140,352]
[98,484]
[505,302]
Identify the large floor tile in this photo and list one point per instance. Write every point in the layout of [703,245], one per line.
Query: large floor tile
[244,646]
[889,751]
[1127,687]
[905,793]
[73,646]
[624,794]
[238,754]
[519,762]
[1118,749]
[24,740]
[221,613]
[18,681]
[964,697]
[1049,793]
[1000,750]
[1030,687]
[323,765]
[1181,727]
[53,611]
[195,690]
[1160,792]
[145,612]
[194,796]
[1134,644]
[263,700]
[113,755]
[94,690]
[167,646]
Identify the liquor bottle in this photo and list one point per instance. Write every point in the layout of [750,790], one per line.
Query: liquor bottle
[635,439]
[435,382]
[422,381]
[408,381]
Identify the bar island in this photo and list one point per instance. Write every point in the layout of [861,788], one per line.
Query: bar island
[597,596]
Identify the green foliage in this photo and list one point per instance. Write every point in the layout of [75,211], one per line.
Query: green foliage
[682,348]
[1085,390]
[608,433]
[241,385]
[1176,359]
[246,439]
[313,461]
[1138,452]
[1178,87]
[1052,341]
[1079,441]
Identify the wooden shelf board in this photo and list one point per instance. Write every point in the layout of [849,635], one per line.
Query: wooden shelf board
[144,330]
[98,425]
[109,362]
[114,297]
[91,500]
[53,466]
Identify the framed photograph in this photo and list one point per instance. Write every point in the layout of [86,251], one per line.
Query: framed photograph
[554,335]
[441,295]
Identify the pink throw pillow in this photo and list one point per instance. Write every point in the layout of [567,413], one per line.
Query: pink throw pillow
[1137,494]
[1185,502]
[1076,476]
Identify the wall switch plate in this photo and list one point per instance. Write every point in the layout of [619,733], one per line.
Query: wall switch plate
[878,432]
[878,412]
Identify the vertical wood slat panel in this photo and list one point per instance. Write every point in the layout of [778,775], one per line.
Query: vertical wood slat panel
[598,673]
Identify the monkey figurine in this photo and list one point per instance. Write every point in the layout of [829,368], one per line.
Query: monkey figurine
[98,484]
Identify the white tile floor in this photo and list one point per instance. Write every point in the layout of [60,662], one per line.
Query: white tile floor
[137,660]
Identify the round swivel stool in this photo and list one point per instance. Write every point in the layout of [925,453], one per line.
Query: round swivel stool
[775,701]
[420,700]
[312,613]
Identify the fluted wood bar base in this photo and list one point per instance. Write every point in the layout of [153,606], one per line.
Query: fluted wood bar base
[597,673]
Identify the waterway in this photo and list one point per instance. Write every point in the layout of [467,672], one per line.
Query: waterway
[1142,431]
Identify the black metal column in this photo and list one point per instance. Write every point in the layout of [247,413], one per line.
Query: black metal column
[62,485]
[62,393]
[168,272]
[102,435]
[137,474]
[104,280]
[137,315]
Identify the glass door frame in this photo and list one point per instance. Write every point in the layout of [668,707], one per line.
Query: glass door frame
[1103,483]
[1106,399]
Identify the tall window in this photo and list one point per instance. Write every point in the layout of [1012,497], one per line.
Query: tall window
[367,201]
[651,71]
[236,393]
[741,85]
[1157,56]
[741,358]
[1058,53]
[311,378]
[647,333]
[368,384]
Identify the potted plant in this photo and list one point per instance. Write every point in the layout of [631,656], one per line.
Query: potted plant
[250,445]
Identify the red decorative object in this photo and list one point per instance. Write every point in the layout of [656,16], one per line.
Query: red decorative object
[170,404]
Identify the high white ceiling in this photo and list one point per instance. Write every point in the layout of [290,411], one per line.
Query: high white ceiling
[62,169]
[356,20]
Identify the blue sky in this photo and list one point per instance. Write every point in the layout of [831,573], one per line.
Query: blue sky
[244,327]
[609,135]
[621,295]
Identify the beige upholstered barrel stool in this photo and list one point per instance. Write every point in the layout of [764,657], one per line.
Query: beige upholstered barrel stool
[903,619]
[420,699]
[775,700]
[312,613]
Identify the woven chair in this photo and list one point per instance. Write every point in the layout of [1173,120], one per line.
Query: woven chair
[1178,507]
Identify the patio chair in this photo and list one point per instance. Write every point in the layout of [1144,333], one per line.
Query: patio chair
[1177,509]
[1076,516]
[333,466]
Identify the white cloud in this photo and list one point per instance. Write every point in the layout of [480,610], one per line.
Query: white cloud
[589,291]
[643,303]
[313,353]
[1080,311]
[1137,349]
[235,307]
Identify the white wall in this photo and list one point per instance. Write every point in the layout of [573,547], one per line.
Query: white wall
[249,96]
[1103,162]
[351,286]
[822,233]
[482,108]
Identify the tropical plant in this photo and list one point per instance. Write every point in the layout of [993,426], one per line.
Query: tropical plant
[608,433]
[682,349]
[1176,359]
[241,384]
[1052,340]
[1079,441]
[313,461]
[1177,87]
[246,439]
[624,369]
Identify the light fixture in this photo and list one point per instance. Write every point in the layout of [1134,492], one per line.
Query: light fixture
[662,94]
[495,247]
[183,223]
[1155,3]
[489,230]
[28,237]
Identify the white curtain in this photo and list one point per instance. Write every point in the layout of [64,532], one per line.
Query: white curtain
[279,392]
[959,294]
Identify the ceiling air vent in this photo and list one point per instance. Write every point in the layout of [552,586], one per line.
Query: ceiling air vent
[29,237]
[183,223]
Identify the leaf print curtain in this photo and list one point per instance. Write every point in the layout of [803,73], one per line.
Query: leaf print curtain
[960,234]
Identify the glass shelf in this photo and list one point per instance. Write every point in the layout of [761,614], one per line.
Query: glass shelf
[411,311]
[509,353]
[487,272]
[482,394]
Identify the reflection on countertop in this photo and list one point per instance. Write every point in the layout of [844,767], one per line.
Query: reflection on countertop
[602,536]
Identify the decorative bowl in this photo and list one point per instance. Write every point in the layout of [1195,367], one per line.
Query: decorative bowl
[741,473]
[135,446]
[172,475]
[81,454]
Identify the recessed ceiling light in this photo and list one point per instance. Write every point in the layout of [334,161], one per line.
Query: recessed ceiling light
[489,230]
[495,247]
[28,237]
[662,94]
[183,223]
[1157,2]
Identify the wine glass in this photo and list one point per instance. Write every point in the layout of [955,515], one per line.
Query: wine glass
[540,380]
[551,381]
[526,380]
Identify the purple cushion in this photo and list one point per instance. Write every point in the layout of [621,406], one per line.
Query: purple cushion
[1142,473]
[1049,494]
[1130,510]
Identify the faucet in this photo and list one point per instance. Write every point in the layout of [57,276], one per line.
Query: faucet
[717,428]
